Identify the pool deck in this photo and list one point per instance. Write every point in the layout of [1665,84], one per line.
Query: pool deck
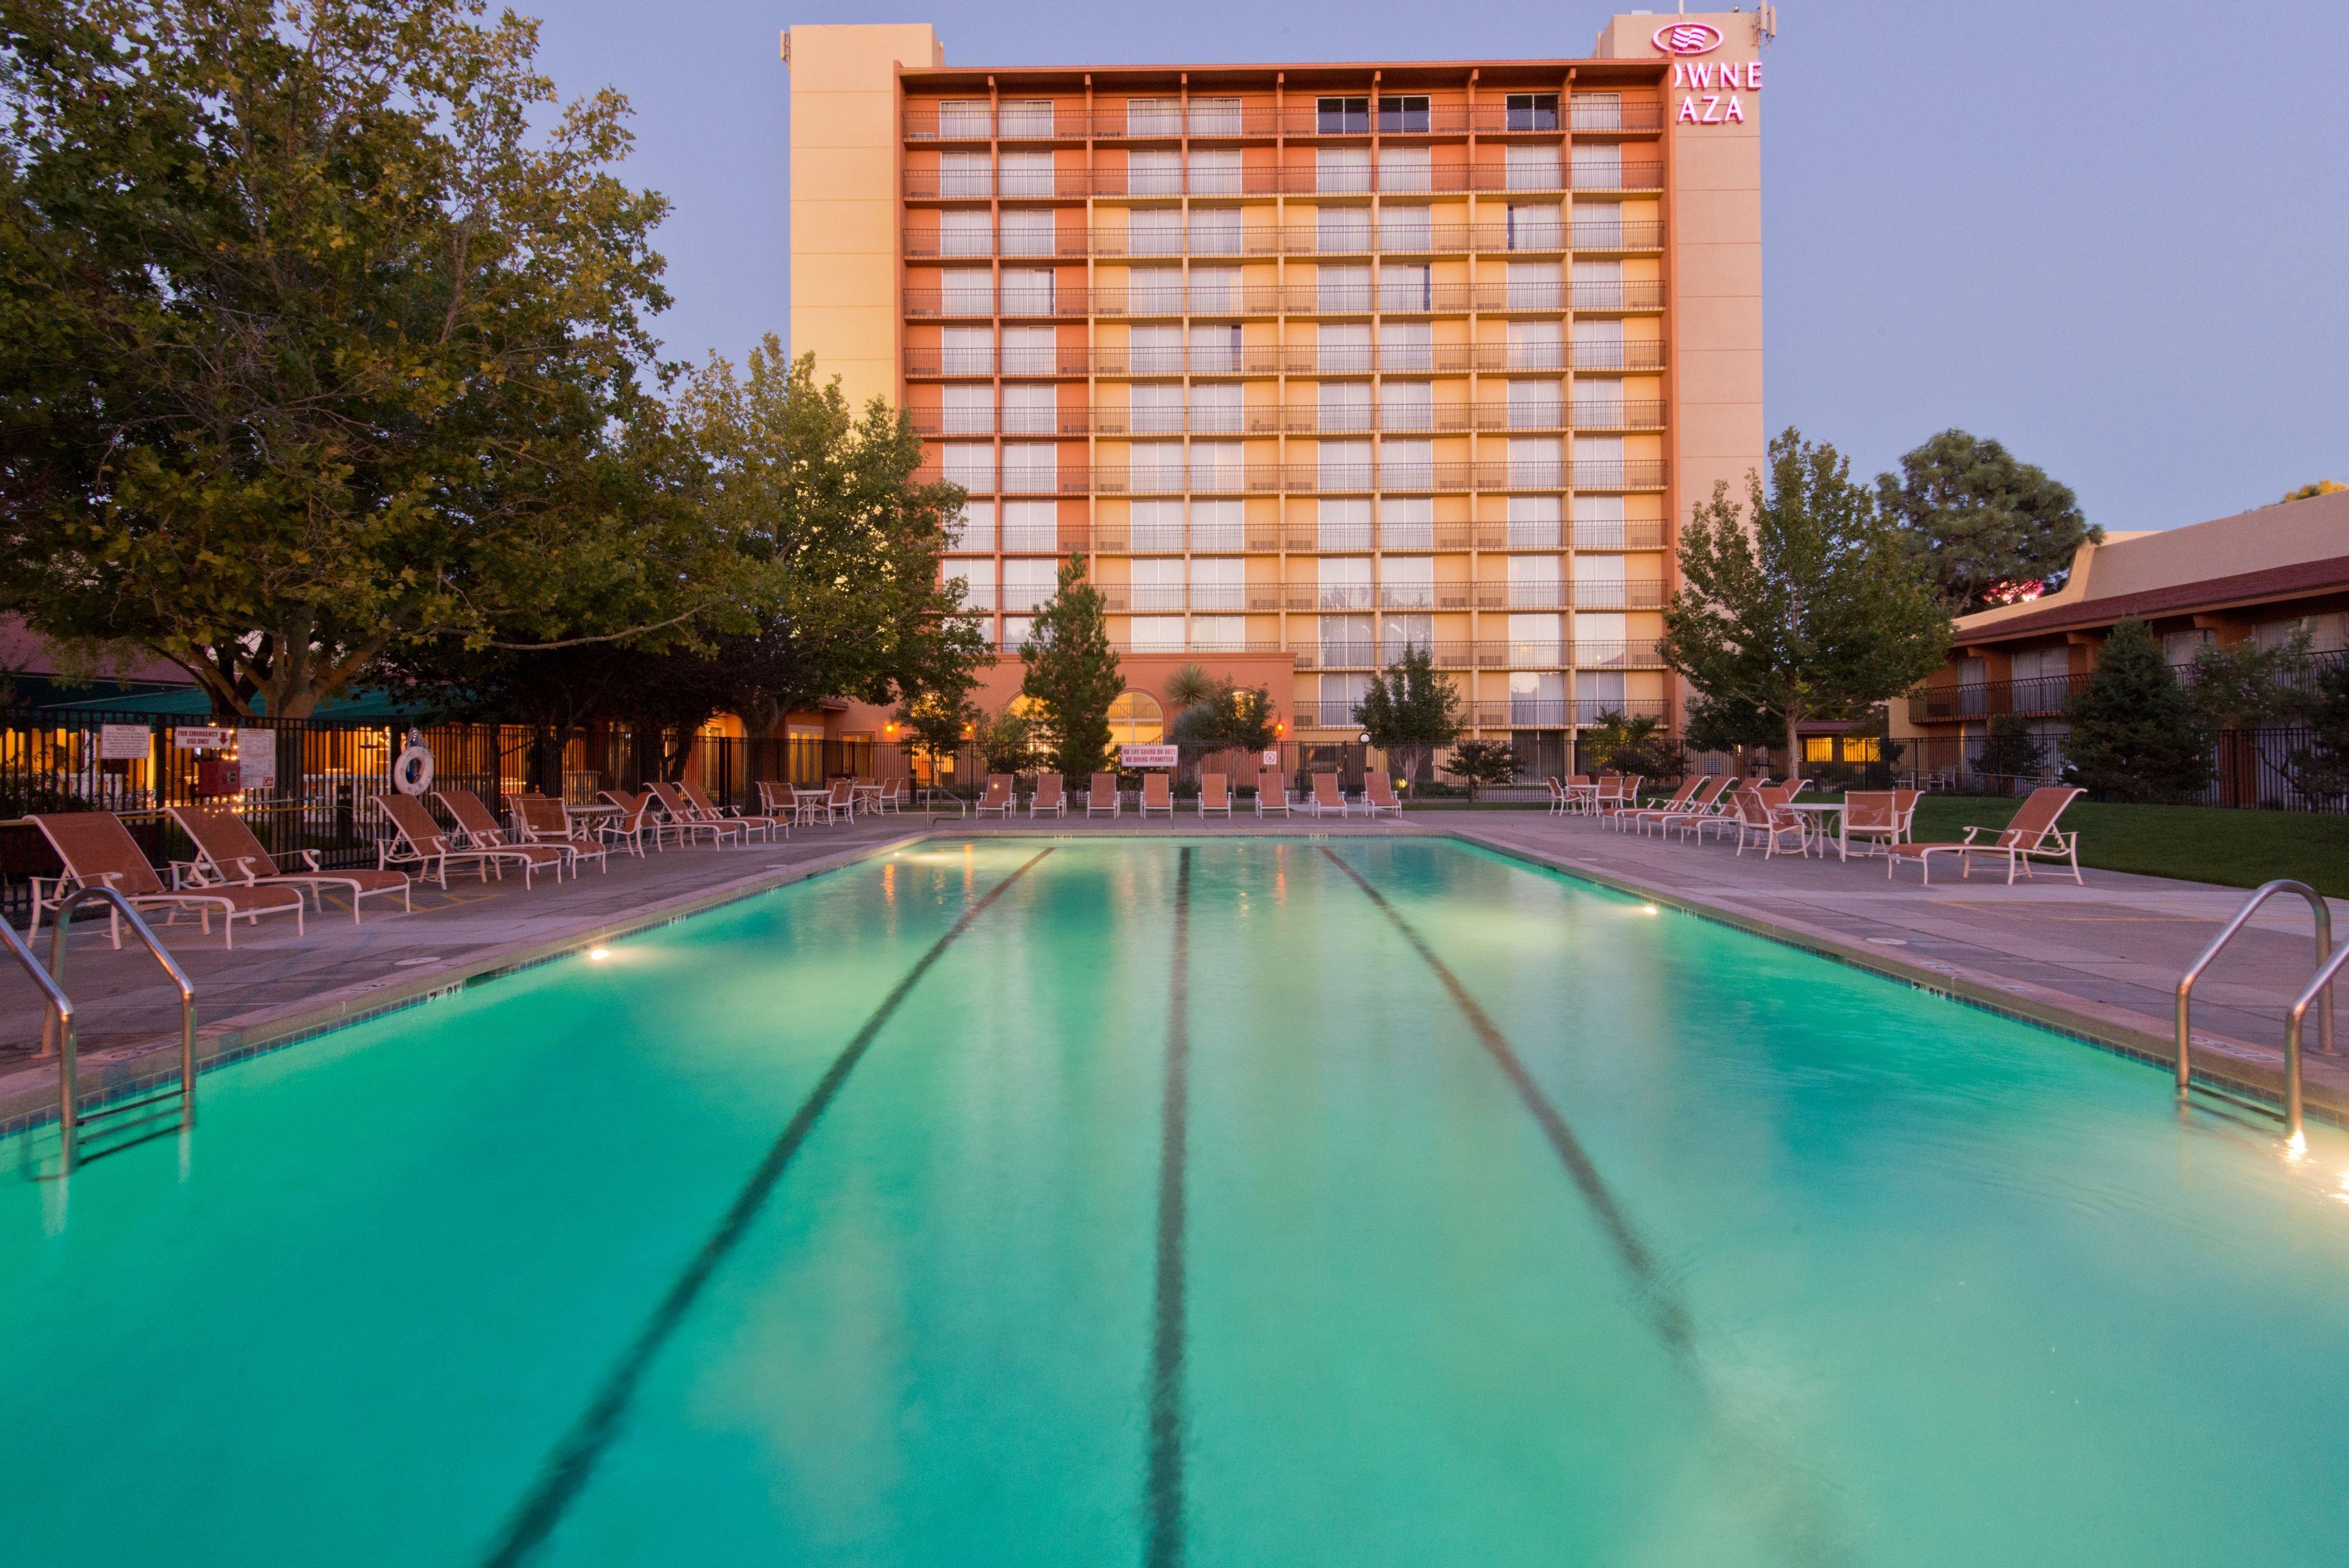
[2099,962]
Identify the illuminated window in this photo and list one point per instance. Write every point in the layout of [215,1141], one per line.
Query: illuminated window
[1136,719]
[1819,748]
[1859,748]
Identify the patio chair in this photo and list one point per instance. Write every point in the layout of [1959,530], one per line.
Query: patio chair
[1580,794]
[1214,794]
[1157,794]
[1271,792]
[1763,814]
[542,819]
[688,820]
[1379,794]
[1050,797]
[1556,796]
[227,852]
[635,822]
[1327,799]
[1100,796]
[1645,817]
[752,824]
[998,798]
[1707,802]
[483,836]
[2032,835]
[1871,816]
[839,801]
[98,851]
[420,841]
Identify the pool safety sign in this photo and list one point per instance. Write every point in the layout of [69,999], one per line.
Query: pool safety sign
[123,743]
[1148,756]
[256,759]
[200,738]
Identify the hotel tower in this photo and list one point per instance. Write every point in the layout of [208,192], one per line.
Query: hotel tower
[1311,361]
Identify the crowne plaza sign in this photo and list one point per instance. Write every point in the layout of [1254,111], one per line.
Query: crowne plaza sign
[1712,91]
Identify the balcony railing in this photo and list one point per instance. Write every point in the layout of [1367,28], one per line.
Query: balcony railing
[1304,479]
[1074,185]
[1063,123]
[924,243]
[1437,419]
[1638,592]
[1286,359]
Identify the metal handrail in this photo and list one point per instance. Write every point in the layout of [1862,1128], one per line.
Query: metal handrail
[2327,962]
[58,1021]
[69,1073]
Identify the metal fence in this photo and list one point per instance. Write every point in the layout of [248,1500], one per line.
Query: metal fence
[2271,767]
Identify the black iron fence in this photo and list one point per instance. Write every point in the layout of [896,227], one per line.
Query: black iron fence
[2271,767]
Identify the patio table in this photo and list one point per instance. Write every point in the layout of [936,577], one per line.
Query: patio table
[1820,807]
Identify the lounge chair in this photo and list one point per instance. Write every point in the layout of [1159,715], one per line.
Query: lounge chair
[1271,792]
[2032,835]
[1157,794]
[1327,799]
[227,852]
[1051,797]
[752,824]
[98,851]
[1100,796]
[1763,814]
[542,819]
[1379,794]
[418,840]
[635,822]
[998,798]
[1214,794]
[1707,802]
[688,820]
[483,836]
[1646,816]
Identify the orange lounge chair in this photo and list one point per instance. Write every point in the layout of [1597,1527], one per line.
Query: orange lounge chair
[999,797]
[1051,796]
[542,819]
[1157,794]
[98,851]
[688,820]
[753,825]
[1328,800]
[1643,817]
[227,852]
[1706,803]
[486,841]
[1379,794]
[1214,794]
[635,822]
[1101,795]
[1271,792]
[2032,834]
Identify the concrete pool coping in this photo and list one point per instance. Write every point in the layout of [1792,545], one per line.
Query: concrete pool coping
[29,1092]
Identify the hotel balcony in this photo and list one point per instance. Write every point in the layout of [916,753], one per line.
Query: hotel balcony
[1306,479]
[1067,301]
[1522,177]
[1389,238]
[1056,122]
[1285,359]
[1438,418]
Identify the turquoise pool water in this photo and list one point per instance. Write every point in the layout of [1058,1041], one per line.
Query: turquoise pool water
[1243,1201]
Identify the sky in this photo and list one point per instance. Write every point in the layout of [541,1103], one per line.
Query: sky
[2115,237]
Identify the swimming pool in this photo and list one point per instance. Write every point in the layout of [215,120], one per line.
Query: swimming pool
[1232,1201]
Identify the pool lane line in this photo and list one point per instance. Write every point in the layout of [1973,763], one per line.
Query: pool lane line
[1663,1308]
[1163,1547]
[568,1471]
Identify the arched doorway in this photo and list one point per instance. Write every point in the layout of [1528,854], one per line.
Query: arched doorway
[1135,719]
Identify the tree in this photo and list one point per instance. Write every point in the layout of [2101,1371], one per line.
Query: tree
[1811,608]
[1990,528]
[2135,733]
[1410,711]
[2321,770]
[1071,672]
[1220,716]
[321,330]
[1006,740]
[1629,745]
[2009,753]
[2321,487]
[1727,724]
[2237,685]
[1475,763]
[935,724]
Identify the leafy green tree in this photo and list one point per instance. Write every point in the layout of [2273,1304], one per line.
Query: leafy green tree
[1986,524]
[321,334]
[1073,672]
[2239,684]
[935,723]
[2134,731]
[1726,724]
[2009,753]
[1410,711]
[2320,769]
[1806,606]
[1629,745]
[2321,487]
[1006,742]
[1476,763]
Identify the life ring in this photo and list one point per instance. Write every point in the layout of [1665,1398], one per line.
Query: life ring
[411,770]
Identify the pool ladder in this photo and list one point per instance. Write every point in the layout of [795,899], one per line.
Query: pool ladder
[58,1027]
[2318,989]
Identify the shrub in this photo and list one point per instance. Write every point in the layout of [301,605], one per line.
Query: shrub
[2136,734]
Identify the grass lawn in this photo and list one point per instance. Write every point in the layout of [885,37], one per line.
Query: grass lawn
[2204,843]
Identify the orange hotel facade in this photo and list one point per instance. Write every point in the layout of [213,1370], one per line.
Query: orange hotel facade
[1311,361]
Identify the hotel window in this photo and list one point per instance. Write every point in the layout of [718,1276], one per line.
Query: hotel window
[1155,634]
[1218,634]
[1155,586]
[1407,346]
[1216,408]
[964,233]
[1033,467]
[1341,115]
[968,411]
[1598,286]
[963,120]
[1027,291]
[1406,286]
[1153,232]
[1214,117]
[1031,411]
[1598,692]
[1017,117]
[1343,350]
[977,579]
[1029,232]
[1599,346]
[1157,467]
[1533,112]
[1342,288]
[1407,582]
[1342,522]
[1398,632]
[1598,168]
[1152,174]
[1537,699]
[1537,285]
[967,291]
[1158,408]
[1030,351]
[1344,465]
[1599,523]
[1535,406]
[1599,405]
[1598,462]
[968,351]
[1405,168]
[1533,226]
[1405,115]
[1536,640]
[970,464]
[1217,525]
[972,532]
[1341,170]
[1218,583]
[1215,350]
[1340,696]
[1155,290]
[1153,116]
[1532,169]
[1345,406]
[1218,465]
[1156,350]
[1535,582]
[1406,522]
[1015,628]
[967,176]
[1599,639]
[1341,231]
[1158,526]
[1215,290]
[1345,580]
[1535,346]
[1535,523]
[1598,582]
[2180,647]
[1215,230]
[1029,583]
[1404,229]
[1345,639]
[1406,464]
[1535,463]
[1598,111]
[1215,171]
[1135,719]
[1598,225]
[1406,406]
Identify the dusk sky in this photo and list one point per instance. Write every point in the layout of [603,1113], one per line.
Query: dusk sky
[2114,236]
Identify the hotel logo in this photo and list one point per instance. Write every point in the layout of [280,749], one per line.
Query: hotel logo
[1688,37]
